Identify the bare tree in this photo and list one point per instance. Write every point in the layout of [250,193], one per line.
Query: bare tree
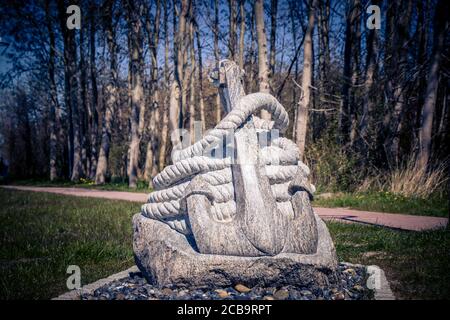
[94,119]
[440,32]
[217,56]
[111,95]
[53,114]
[263,67]
[153,41]
[232,9]
[368,94]
[346,112]
[398,63]
[273,35]
[200,78]
[134,10]
[83,103]
[192,71]
[303,104]
[70,96]
[241,33]
[165,117]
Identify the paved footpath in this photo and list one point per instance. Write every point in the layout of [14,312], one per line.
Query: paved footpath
[391,220]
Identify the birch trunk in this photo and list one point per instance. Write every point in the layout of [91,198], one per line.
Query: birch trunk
[192,78]
[303,105]
[242,34]
[217,56]
[263,68]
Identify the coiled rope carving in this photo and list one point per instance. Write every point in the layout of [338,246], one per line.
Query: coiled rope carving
[281,159]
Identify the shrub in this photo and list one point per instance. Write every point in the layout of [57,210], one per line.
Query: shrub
[332,169]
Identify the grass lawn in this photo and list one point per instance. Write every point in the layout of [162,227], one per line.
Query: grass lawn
[42,233]
[387,202]
[416,263]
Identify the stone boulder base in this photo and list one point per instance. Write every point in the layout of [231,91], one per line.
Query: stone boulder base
[167,258]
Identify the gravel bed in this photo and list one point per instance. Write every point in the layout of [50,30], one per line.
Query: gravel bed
[350,285]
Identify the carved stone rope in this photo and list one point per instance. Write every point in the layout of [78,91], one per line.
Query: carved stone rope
[280,158]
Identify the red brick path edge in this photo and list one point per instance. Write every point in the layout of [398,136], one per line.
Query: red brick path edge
[390,220]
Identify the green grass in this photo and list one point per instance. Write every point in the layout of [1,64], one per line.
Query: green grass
[42,234]
[119,185]
[387,202]
[416,263]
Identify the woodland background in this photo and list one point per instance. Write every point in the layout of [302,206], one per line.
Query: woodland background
[368,107]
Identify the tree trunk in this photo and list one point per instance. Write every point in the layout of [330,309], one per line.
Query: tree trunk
[192,77]
[294,40]
[180,56]
[426,129]
[70,87]
[134,13]
[263,68]
[242,34]
[111,97]
[165,118]
[200,81]
[94,113]
[303,104]
[273,34]
[217,56]
[398,68]
[53,114]
[232,9]
[152,145]
[174,113]
[83,105]
[345,112]
[368,94]
[323,23]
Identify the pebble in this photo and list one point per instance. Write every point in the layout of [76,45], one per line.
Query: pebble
[305,292]
[241,288]
[350,284]
[350,271]
[338,296]
[281,294]
[167,291]
[120,296]
[222,293]
[358,288]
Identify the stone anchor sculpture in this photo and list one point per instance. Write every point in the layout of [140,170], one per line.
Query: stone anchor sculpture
[242,216]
